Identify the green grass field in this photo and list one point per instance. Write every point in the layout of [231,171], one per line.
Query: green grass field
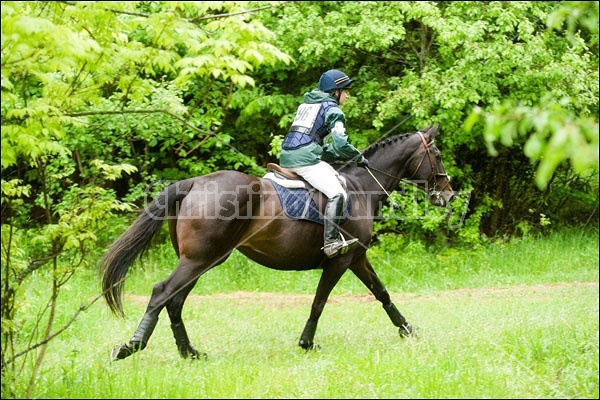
[513,320]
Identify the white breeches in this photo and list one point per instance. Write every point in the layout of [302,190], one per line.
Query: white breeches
[322,177]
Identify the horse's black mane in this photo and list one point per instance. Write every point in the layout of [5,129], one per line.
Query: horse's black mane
[374,146]
[383,142]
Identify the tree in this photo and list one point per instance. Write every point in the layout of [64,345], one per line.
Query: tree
[440,61]
[560,125]
[92,92]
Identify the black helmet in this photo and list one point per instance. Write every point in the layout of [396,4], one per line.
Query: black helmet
[334,79]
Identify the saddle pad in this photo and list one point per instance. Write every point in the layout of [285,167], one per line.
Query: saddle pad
[298,204]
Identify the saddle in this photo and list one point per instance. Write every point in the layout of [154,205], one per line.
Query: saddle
[299,199]
[290,179]
[286,178]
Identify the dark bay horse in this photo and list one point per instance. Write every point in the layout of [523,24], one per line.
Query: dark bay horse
[209,216]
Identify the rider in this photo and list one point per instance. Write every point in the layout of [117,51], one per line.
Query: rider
[318,131]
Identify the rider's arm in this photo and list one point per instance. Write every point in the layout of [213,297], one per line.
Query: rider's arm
[342,149]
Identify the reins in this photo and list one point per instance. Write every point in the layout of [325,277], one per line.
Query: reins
[379,183]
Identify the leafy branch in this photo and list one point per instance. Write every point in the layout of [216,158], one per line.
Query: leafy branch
[55,334]
[185,122]
[167,112]
[197,19]
[225,15]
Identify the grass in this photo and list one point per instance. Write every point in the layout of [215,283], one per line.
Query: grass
[514,320]
[563,256]
[509,343]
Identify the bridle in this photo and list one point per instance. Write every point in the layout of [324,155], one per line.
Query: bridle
[434,172]
[434,191]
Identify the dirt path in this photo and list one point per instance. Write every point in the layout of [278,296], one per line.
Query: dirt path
[287,300]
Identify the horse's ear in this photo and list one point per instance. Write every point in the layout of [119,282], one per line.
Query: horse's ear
[431,131]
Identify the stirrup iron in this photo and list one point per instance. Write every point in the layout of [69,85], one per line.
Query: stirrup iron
[340,246]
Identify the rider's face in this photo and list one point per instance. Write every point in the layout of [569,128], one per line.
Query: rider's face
[343,97]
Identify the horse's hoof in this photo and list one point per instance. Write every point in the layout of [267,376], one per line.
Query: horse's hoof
[309,345]
[315,347]
[197,355]
[407,330]
[192,354]
[305,344]
[120,352]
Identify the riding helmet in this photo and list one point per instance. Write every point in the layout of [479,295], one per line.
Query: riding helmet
[334,79]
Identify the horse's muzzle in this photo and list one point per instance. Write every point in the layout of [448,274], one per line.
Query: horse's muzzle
[439,198]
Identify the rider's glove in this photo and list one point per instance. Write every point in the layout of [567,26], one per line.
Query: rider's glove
[362,162]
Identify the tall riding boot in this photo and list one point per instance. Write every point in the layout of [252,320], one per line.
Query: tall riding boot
[334,242]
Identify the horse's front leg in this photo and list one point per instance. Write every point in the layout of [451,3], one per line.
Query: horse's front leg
[329,278]
[367,275]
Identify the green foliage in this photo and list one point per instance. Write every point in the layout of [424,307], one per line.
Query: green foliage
[276,146]
[554,134]
[439,62]
[62,245]
[157,57]
[561,122]
[204,86]
[92,91]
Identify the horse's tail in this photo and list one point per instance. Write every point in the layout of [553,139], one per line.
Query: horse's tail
[136,240]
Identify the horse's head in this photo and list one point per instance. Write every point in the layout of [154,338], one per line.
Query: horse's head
[427,170]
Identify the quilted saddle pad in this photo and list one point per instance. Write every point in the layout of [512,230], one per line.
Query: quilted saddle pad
[300,204]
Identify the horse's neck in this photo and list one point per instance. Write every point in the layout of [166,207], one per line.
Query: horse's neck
[394,158]
[388,171]
[384,174]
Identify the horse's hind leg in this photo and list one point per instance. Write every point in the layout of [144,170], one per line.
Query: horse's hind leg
[174,308]
[171,293]
[368,276]
[142,334]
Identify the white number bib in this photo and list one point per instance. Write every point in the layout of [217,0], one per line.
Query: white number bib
[306,116]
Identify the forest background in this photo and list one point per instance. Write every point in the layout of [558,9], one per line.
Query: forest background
[104,102]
